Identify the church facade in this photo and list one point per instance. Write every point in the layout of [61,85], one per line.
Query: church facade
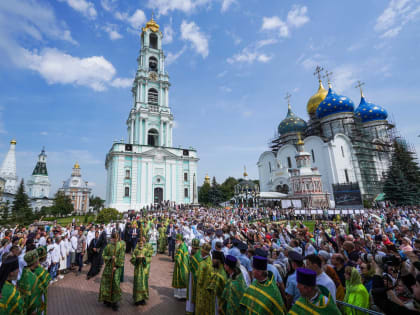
[147,169]
[349,145]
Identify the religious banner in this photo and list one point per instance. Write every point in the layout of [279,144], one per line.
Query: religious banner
[286,203]
[297,203]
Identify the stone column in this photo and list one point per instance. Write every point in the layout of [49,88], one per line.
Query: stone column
[132,131]
[167,97]
[139,124]
[161,134]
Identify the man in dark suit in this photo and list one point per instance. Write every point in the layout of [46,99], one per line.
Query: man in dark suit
[127,238]
[135,234]
[94,249]
[171,234]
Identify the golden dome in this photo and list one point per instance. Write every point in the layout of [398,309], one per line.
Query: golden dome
[152,25]
[207,179]
[76,165]
[13,141]
[316,99]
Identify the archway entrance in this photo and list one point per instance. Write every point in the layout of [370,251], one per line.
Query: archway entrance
[158,195]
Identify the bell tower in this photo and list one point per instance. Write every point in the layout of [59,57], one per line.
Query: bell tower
[150,121]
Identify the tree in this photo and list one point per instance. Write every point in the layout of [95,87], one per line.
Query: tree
[107,215]
[203,194]
[62,204]
[96,202]
[402,183]
[21,209]
[228,188]
[5,213]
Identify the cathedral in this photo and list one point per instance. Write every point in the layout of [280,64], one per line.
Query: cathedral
[350,146]
[147,169]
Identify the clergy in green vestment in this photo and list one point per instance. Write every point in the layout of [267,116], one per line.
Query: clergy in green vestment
[262,297]
[43,277]
[311,300]
[162,240]
[234,289]
[218,279]
[180,275]
[28,284]
[141,259]
[204,305]
[194,261]
[11,301]
[114,256]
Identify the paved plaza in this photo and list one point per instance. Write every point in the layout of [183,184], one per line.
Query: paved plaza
[76,295]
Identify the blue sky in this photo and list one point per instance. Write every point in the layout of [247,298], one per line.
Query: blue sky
[66,68]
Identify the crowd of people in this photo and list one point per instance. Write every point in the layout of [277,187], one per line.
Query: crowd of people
[228,261]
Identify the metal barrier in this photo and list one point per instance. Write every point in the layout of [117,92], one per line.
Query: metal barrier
[358,309]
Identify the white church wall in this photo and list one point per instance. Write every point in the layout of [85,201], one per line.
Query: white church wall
[343,157]
[285,153]
[264,169]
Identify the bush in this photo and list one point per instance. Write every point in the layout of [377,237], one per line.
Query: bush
[107,215]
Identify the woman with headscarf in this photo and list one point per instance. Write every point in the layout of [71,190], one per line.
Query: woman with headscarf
[356,293]
[11,302]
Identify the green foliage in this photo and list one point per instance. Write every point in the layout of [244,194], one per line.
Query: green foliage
[5,211]
[96,202]
[228,188]
[21,208]
[402,183]
[107,215]
[203,194]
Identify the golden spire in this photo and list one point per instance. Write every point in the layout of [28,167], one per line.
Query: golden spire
[13,141]
[300,141]
[359,85]
[76,165]
[152,25]
[207,179]
[328,76]
[245,173]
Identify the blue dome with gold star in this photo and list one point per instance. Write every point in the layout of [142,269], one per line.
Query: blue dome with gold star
[370,112]
[333,104]
[291,123]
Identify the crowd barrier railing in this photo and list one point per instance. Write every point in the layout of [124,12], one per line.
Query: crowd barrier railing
[357,310]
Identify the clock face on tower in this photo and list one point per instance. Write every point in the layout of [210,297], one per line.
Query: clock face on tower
[153,76]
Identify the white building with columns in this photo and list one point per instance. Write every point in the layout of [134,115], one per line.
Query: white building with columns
[147,169]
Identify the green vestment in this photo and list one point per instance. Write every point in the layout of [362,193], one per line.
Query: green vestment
[162,240]
[217,284]
[180,275]
[232,295]
[44,279]
[322,305]
[141,272]
[11,302]
[28,287]
[193,267]
[263,298]
[204,304]
[110,290]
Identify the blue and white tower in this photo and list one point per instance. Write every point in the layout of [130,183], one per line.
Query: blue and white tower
[146,169]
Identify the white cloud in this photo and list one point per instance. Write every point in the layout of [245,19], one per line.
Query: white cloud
[171,58]
[296,18]
[222,74]
[122,82]
[108,5]
[168,34]
[396,15]
[166,6]
[57,67]
[136,20]
[191,32]
[310,63]
[43,133]
[85,7]
[225,89]
[226,4]
[236,39]
[252,53]
[345,77]
[111,29]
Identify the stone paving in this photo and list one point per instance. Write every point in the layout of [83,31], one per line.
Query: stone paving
[76,295]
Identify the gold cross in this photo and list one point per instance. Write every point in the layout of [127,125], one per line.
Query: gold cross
[328,75]
[359,86]
[288,96]
[318,71]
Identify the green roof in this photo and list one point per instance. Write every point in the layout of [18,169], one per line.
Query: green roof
[40,169]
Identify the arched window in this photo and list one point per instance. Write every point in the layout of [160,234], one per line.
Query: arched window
[152,97]
[153,41]
[289,162]
[153,64]
[127,192]
[269,166]
[153,137]
[127,174]
[342,151]
[313,156]
[186,192]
